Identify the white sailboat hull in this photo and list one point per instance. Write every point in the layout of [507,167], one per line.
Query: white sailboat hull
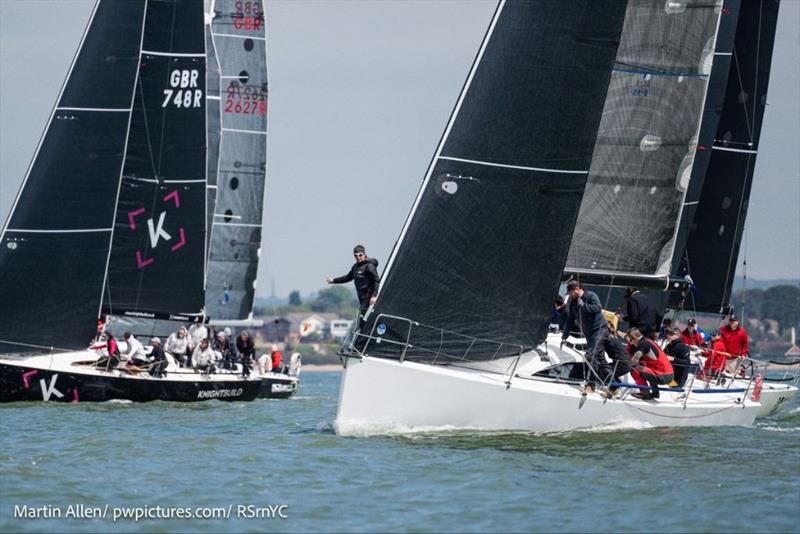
[385,396]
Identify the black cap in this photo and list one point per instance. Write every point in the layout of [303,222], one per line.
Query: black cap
[733,318]
[692,322]
[359,249]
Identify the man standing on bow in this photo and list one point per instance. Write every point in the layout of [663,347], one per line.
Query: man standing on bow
[364,274]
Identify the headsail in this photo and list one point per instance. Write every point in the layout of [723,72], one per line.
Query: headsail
[156,266]
[54,246]
[238,38]
[478,260]
[646,148]
[715,234]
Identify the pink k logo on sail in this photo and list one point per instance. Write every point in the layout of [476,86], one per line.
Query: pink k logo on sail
[157,229]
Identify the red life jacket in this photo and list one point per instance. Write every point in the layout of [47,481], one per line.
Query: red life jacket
[276,359]
[735,341]
[695,339]
[659,366]
[715,361]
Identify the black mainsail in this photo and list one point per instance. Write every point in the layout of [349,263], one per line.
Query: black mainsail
[157,261]
[715,233]
[480,255]
[55,242]
[646,151]
[237,39]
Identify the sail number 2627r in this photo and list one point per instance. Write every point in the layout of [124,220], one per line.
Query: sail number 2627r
[182,92]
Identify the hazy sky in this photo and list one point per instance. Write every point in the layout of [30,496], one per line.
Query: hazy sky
[359,95]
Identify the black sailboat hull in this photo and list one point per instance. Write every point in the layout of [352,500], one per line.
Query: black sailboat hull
[278,388]
[22,383]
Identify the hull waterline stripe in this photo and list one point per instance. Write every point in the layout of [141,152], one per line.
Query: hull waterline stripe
[108,110]
[244,131]
[504,166]
[740,150]
[238,36]
[60,231]
[170,54]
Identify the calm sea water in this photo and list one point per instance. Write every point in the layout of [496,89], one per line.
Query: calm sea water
[284,452]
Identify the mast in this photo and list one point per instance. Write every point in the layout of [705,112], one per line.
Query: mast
[54,245]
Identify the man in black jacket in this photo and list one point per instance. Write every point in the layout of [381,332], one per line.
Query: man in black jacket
[679,354]
[364,274]
[584,308]
[640,313]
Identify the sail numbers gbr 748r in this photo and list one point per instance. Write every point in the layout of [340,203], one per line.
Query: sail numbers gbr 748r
[182,92]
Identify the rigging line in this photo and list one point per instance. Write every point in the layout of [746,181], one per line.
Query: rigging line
[35,346]
[758,58]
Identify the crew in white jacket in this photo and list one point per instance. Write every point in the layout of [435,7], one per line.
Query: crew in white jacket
[203,357]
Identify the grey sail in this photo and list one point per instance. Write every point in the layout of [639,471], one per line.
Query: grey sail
[478,261]
[238,40]
[645,153]
[55,243]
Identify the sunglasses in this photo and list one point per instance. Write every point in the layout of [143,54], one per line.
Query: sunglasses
[359,255]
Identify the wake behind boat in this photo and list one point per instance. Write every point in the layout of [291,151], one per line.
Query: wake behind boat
[142,205]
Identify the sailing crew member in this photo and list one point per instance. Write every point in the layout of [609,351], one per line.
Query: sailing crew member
[178,346]
[159,360]
[736,342]
[666,326]
[715,358]
[584,308]
[247,351]
[690,335]
[275,356]
[203,357]
[639,312]
[135,354]
[223,345]
[364,274]
[111,361]
[653,368]
[679,355]
[559,316]
[197,332]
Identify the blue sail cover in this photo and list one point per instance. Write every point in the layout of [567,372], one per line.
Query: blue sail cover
[479,258]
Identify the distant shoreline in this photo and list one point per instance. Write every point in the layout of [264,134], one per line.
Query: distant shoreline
[321,368]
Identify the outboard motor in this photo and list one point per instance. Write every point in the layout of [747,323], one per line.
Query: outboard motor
[295,362]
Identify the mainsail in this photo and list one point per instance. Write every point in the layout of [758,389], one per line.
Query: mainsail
[157,260]
[715,233]
[646,149]
[478,260]
[237,155]
[55,243]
